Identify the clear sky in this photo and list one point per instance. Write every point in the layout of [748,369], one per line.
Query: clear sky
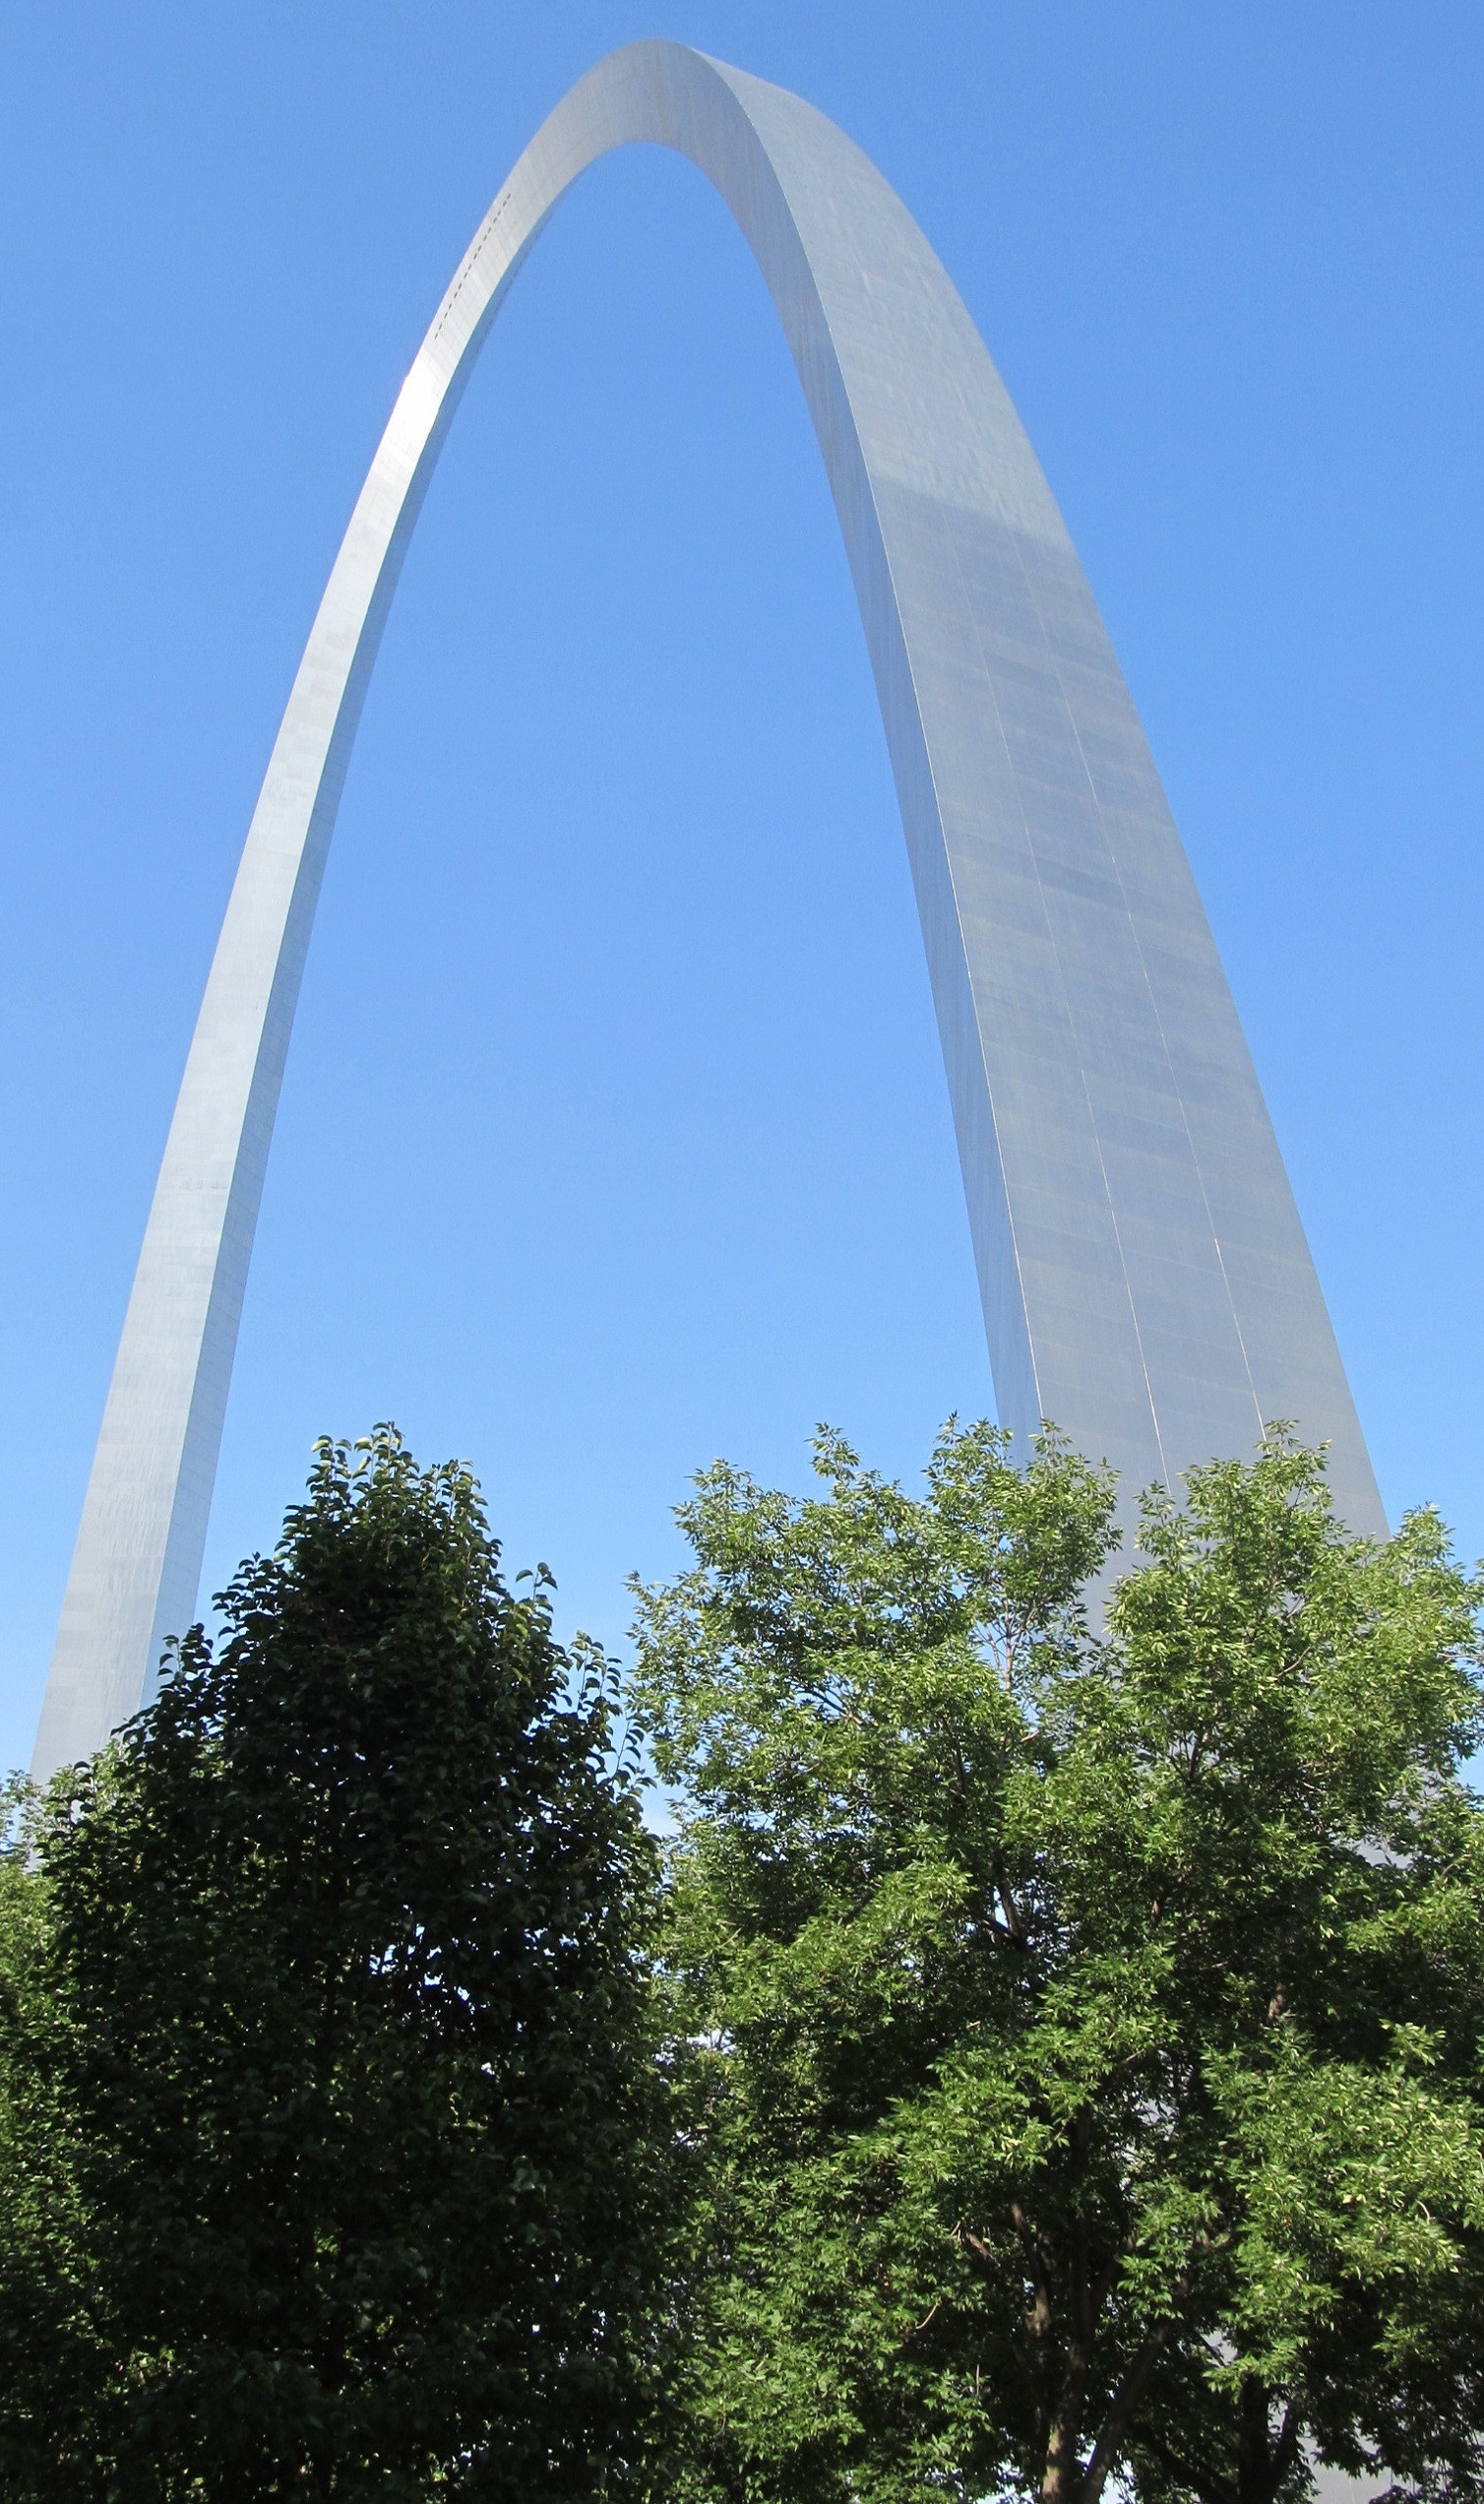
[614,1134]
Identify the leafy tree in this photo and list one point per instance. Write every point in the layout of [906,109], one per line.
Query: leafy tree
[45,2348]
[326,2052]
[1080,2033]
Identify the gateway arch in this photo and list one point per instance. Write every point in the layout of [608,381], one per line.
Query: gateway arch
[1144,1274]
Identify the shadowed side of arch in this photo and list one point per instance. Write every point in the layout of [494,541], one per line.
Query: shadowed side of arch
[1144,1276]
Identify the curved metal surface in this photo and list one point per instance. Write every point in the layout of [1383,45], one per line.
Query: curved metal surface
[1144,1274]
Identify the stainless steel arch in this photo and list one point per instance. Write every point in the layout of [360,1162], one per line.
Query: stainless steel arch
[1144,1274]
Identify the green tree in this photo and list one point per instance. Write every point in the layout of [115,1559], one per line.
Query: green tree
[46,2357]
[326,2056]
[1078,2032]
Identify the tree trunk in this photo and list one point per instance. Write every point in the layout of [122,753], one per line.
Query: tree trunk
[1263,2459]
[1062,2477]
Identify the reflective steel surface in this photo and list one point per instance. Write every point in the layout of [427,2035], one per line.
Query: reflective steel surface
[1144,1274]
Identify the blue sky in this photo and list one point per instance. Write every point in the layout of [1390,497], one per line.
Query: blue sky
[614,1134]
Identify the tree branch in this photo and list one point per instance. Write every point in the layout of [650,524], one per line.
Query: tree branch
[1121,2408]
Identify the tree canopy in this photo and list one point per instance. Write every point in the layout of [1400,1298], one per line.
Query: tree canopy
[328,2081]
[1078,2024]
[1054,2054]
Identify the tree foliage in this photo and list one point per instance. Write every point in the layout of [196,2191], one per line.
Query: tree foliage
[327,2070]
[1079,2028]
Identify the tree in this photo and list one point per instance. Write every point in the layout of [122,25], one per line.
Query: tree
[1081,2029]
[331,2078]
